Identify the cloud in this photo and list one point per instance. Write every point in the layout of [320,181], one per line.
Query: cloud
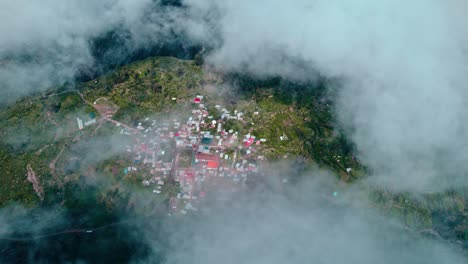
[402,97]
[48,43]
[297,225]
[16,220]
[271,223]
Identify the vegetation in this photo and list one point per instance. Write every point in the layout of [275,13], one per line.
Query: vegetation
[31,134]
[147,87]
[297,125]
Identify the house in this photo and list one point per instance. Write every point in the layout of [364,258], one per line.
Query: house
[90,122]
[179,143]
[211,161]
[212,165]
[204,149]
[249,142]
[80,123]
[207,140]
[283,137]
[200,157]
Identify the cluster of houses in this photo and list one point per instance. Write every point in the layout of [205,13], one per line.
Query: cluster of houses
[217,156]
[152,151]
[199,154]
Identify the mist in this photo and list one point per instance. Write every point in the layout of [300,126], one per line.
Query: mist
[401,66]
[272,223]
[278,223]
[52,42]
[402,93]
[401,99]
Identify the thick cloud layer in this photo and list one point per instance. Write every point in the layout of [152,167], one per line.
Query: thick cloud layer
[403,97]
[274,223]
[301,225]
[49,42]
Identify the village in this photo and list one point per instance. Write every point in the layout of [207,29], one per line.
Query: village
[199,153]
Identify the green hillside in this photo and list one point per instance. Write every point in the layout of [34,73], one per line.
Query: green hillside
[42,132]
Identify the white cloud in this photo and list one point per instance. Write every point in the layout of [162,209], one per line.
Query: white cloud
[403,67]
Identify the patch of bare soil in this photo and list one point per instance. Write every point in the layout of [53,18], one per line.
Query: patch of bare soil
[35,183]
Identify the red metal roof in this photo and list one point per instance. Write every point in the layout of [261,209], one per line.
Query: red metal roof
[206,157]
[249,142]
[212,164]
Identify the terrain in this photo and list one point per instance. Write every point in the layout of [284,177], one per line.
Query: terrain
[49,163]
[37,129]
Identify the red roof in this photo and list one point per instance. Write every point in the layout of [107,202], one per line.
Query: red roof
[249,142]
[196,100]
[212,164]
[206,157]
[188,174]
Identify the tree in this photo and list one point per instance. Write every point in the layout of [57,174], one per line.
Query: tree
[198,59]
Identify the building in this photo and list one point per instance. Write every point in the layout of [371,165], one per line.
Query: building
[207,140]
[200,157]
[249,142]
[90,122]
[212,165]
[204,149]
[80,123]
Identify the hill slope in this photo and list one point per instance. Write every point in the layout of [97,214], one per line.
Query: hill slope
[44,155]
